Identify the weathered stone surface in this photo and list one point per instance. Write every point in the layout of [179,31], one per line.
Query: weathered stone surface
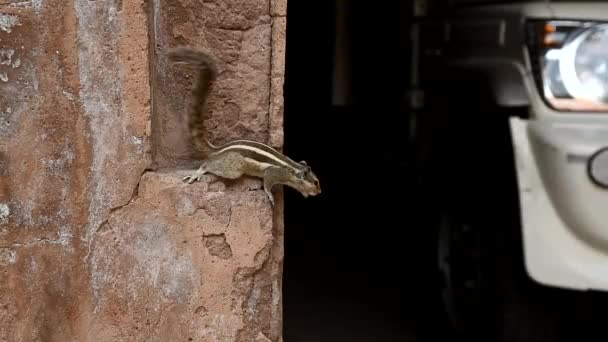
[278,8]
[279,26]
[177,283]
[74,104]
[92,247]
[276,112]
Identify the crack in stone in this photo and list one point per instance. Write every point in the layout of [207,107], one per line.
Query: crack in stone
[58,241]
[245,277]
[134,197]
[229,218]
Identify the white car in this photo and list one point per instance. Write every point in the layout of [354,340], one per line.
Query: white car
[516,122]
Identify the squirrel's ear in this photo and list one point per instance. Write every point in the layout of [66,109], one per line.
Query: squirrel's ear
[306,168]
[300,173]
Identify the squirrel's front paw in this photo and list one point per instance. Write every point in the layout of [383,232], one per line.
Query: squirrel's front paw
[189,179]
[192,178]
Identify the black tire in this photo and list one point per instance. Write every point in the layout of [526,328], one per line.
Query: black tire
[505,305]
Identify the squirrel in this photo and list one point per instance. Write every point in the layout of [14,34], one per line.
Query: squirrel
[238,157]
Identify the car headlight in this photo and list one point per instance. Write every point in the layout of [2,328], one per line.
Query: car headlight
[570,63]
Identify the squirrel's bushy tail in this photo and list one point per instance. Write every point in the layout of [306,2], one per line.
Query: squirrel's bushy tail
[198,112]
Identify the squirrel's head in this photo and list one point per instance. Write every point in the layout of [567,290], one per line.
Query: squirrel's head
[306,182]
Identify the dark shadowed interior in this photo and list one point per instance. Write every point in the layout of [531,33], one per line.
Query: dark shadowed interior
[361,259]
[353,269]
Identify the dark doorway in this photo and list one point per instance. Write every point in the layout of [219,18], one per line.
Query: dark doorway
[356,269]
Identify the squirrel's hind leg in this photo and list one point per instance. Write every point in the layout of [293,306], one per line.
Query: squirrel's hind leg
[229,165]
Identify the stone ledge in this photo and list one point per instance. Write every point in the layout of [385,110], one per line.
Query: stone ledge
[197,253]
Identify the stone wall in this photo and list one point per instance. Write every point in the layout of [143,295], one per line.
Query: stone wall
[99,238]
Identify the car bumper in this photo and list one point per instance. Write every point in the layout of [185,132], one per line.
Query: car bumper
[564,213]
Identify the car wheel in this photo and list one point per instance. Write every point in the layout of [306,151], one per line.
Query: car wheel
[486,294]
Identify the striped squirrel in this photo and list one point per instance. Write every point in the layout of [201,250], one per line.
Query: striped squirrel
[238,157]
